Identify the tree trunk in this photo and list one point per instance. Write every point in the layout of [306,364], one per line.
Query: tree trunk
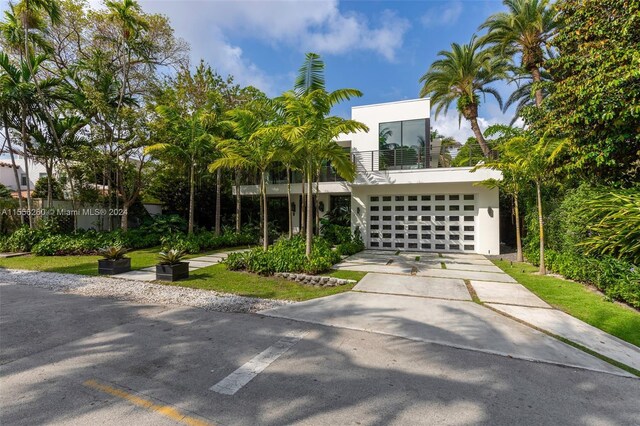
[265,221]
[192,197]
[543,269]
[519,257]
[289,212]
[535,73]
[218,192]
[309,214]
[238,202]
[303,206]
[13,164]
[478,134]
[317,204]
[124,219]
[49,185]
[25,141]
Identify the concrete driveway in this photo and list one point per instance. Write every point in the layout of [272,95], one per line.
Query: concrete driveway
[428,297]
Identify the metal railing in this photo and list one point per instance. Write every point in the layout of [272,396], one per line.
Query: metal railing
[404,158]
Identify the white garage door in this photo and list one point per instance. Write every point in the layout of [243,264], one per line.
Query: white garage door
[428,222]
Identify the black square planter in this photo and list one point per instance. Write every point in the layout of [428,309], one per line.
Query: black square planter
[112,267]
[172,272]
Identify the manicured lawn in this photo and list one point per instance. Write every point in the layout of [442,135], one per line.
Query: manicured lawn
[578,301]
[83,265]
[218,278]
[210,278]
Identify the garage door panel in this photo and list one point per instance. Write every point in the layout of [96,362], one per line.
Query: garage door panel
[425,222]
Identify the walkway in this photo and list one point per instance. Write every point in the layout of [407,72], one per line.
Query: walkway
[429,297]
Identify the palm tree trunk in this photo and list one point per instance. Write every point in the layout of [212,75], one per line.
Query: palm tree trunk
[289,212]
[218,192]
[238,202]
[309,213]
[317,204]
[13,163]
[25,140]
[543,269]
[303,207]
[535,74]
[192,197]
[479,137]
[49,184]
[519,257]
[265,221]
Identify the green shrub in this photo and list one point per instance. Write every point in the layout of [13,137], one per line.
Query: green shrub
[286,255]
[355,245]
[236,261]
[336,234]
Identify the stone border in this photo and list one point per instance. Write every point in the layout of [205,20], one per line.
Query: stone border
[314,280]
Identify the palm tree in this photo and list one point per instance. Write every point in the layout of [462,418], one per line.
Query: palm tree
[20,88]
[461,75]
[533,160]
[513,174]
[524,30]
[189,142]
[309,127]
[251,149]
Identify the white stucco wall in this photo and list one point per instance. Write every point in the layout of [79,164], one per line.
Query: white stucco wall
[373,115]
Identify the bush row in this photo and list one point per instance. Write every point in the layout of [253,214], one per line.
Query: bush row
[202,241]
[617,279]
[43,243]
[286,255]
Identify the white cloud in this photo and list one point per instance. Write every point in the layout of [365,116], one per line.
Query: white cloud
[215,30]
[443,15]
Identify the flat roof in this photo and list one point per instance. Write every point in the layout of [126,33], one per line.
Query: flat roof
[392,102]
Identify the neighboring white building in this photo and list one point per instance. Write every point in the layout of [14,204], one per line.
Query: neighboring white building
[400,199]
[7,177]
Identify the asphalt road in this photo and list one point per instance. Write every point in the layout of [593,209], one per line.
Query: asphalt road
[69,359]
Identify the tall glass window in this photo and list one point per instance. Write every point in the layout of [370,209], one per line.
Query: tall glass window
[403,144]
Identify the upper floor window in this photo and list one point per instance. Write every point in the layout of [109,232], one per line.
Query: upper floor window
[403,144]
[23,179]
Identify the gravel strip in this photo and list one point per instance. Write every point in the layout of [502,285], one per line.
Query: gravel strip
[137,291]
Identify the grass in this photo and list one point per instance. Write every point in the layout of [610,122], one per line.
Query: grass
[83,265]
[218,278]
[215,277]
[578,301]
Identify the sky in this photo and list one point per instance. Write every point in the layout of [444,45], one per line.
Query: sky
[381,48]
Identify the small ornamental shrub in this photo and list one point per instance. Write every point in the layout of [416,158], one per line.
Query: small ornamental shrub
[170,257]
[286,255]
[113,252]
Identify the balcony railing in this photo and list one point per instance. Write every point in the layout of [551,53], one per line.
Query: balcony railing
[391,159]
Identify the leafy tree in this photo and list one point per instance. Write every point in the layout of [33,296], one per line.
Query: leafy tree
[595,100]
[508,161]
[187,113]
[48,188]
[461,75]
[312,130]
[533,161]
[524,31]
[470,153]
[251,149]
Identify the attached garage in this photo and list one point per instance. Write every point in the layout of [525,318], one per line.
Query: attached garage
[423,222]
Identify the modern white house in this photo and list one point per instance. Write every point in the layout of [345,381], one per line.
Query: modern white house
[401,199]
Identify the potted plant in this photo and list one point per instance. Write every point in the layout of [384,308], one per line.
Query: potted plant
[114,261]
[171,267]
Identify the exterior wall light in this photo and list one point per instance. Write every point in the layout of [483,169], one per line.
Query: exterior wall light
[321,206]
[293,208]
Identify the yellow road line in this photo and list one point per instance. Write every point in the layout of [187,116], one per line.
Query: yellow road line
[164,410]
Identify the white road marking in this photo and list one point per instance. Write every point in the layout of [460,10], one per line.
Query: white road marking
[243,375]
